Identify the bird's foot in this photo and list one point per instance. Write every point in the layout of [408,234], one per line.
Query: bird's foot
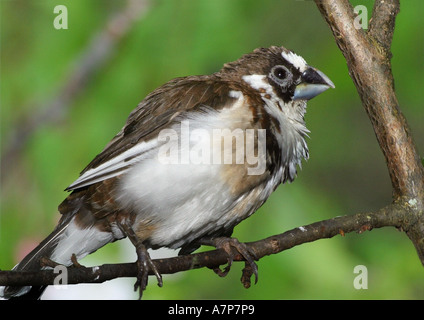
[144,262]
[227,244]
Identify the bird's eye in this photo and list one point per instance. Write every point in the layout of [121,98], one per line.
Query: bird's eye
[280,73]
[281,76]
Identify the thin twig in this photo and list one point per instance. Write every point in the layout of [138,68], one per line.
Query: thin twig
[382,23]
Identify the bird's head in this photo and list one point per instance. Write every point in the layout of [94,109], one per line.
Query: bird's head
[284,72]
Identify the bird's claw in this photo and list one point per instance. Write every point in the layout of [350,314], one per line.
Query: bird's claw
[227,244]
[144,264]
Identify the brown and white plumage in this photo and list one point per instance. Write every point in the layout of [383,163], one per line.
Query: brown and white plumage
[180,205]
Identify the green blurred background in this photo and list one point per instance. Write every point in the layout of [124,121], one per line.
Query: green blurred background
[346,172]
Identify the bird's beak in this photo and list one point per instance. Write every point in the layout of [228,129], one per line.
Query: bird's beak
[313,82]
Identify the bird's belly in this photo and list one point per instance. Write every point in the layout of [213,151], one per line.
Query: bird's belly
[175,204]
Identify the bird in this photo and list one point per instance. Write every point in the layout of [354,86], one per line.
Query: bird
[197,156]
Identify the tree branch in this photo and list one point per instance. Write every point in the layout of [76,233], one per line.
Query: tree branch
[368,58]
[392,215]
[382,23]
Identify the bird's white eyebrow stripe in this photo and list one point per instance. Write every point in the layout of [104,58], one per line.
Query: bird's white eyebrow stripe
[295,60]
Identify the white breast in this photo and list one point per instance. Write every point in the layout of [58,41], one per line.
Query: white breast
[180,190]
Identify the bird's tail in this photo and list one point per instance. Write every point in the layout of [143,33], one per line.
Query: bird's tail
[76,234]
[32,262]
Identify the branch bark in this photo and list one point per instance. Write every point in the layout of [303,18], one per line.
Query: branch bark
[368,58]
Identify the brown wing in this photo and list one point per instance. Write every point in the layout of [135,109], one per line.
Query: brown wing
[154,113]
